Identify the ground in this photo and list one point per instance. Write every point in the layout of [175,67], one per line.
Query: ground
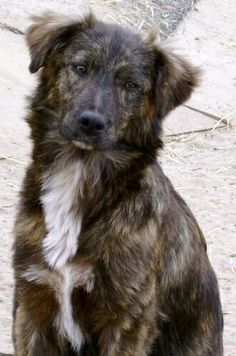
[201,163]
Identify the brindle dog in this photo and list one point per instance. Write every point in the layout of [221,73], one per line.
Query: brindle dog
[108,258]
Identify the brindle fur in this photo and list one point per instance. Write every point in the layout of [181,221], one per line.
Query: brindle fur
[155,292]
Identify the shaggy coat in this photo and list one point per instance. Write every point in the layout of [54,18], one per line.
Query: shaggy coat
[108,258]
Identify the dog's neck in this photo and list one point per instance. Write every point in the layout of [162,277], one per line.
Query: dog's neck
[100,172]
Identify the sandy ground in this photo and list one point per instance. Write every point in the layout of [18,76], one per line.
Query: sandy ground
[202,165]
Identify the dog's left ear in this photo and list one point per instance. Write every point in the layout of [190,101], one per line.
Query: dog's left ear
[49,33]
[176,79]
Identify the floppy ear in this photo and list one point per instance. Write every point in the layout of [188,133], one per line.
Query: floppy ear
[50,33]
[175,81]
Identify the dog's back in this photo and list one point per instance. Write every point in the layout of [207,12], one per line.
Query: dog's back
[108,258]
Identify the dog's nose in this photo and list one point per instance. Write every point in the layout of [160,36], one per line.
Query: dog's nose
[91,123]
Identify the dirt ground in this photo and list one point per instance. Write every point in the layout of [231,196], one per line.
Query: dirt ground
[202,165]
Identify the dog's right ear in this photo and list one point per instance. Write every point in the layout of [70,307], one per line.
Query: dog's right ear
[50,33]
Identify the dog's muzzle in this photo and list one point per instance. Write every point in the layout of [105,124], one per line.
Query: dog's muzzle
[84,129]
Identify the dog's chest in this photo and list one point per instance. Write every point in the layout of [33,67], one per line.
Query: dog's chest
[63,282]
[62,215]
[60,200]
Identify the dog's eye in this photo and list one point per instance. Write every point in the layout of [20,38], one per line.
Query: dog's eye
[79,69]
[131,86]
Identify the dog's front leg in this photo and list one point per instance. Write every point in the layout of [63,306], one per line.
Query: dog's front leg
[29,340]
[136,340]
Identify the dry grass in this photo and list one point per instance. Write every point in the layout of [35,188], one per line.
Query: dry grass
[145,14]
[13,160]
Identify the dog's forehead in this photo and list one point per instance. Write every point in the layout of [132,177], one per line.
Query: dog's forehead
[110,44]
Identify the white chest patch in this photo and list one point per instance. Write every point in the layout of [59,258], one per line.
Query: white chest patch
[61,213]
[63,283]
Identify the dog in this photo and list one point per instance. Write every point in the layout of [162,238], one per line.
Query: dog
[108,258]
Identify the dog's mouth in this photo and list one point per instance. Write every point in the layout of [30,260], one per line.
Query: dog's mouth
[82,145]
[102,141]
[68,133]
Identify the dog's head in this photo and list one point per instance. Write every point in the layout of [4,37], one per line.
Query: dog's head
[105,86]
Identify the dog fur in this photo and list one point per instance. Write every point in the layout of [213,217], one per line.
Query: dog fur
[108,258]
